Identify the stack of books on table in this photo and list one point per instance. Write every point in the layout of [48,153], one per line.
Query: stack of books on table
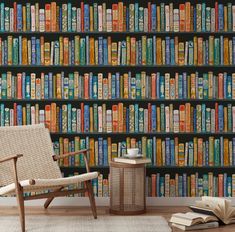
[210,212]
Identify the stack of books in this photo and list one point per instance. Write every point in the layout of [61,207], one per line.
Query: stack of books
[210,212]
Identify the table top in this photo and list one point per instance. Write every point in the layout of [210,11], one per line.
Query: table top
[125,162]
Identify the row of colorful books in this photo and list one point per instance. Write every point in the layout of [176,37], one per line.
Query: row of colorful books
[105,51]
[120,118]
[117,86]
[194,185]
[118,16]
[195,152]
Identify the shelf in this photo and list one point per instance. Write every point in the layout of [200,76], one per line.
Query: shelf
[116,66]
[105,134]
[100,33]
[46,101]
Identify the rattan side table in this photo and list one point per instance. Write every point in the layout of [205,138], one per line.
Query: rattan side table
[127,188]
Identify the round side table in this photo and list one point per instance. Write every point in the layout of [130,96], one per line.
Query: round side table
[127,188]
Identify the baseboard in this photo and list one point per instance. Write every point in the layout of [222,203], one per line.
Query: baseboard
[104,201]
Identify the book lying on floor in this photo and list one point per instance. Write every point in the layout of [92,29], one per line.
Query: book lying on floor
[192,218]
[203,226]
[219,207]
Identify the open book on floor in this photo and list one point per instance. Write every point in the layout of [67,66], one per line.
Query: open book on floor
[192,218]
[219,207]
[208,225]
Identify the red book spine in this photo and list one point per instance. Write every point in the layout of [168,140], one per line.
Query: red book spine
[149,117]
[15,114]
[153,86]
[82,16]
[221,185]
[216,117]
[19,86]
[15,16]
[153,178]
[216,16]
[86,86]
[82,117]
[149,17]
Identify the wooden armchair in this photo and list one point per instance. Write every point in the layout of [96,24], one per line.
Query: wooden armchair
[28,164]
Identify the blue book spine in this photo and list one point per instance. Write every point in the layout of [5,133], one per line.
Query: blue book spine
[5,52]
[203,16]
[162,87]
[127,19]
[113,84]
[86,118]
[60,16]
[38,52]
[136,118]
[50,85]
[72,52]
[86,18]
[100,50]
[127,120]
[69,16]
[46,86]
[27,88]
[100,151]
[195,19]
[19,115]
[19,17]
[158,85]
[225,184]
[180,187]
[168,55]
[87,48]
[180,84]
[33,49]
[154,17]
[95,87]
[105,51]
[2,21]
[168,155]
[194,120]
[221,51]
[221,118]
[172,152]
[233,50]
[69,108]
[233,157]
[185,85]
[172,51]
[105,152]
[153,118]
[221,17]
[203,117]
[184,185]
[229,87]
[154,49]
[136,16]
[117,85]
[138,57]
[20,50]
[162,186]
[91,85]
[23,85]
[229,186]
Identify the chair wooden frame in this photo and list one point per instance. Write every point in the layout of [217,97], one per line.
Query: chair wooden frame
[51,195]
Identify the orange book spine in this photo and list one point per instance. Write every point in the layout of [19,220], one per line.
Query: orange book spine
[133,51]
[187,16]
[120,16]
[92,152]
[187,117]
[47,116]
[200,51]
[153,82]
[66,150]
[221,185]
[182,17]
[115,118]
[153,179]
[226,152]
[48,17]
[42,50]
[200,151]
[159,153]
[53,16]
[220,86]
[120,117]
[66,51]
[15,16]
[182,118]
[15,114]
[115,16]
[53,117]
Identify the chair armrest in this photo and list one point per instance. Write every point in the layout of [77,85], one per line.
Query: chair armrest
[83,152]
[10,158]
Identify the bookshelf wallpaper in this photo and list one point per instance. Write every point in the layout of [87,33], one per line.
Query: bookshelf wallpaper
[112,75]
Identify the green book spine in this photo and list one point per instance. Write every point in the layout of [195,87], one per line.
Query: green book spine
[162,16]
[28,114]
[217,51]
[7,117]
[95,7]
[95,112]
[82,51]
[205,86]
[64,17]
[28,17]
[217,152]
[82,146]
[230,24]
[64,118]
[4,86]
[162,115]
[205,185]
[149,51]
[138,86]
[211,151]
[230,119]
[150,149]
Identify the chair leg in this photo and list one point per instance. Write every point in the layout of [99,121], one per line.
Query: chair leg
[50,199]
[91,198]
[20,201]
